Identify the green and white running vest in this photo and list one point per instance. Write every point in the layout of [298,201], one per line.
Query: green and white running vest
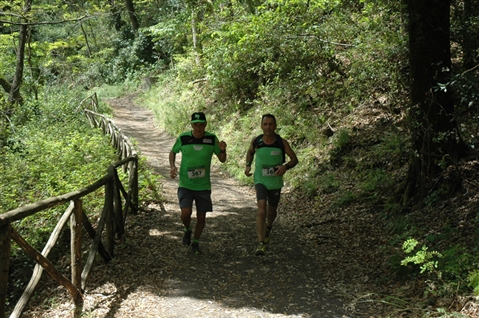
[267,157]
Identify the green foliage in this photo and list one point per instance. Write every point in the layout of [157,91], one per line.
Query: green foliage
[392,147]
[341,139]
[247,53]
[329,182]
[457,262]
[455,271]
[344,199]
[129,56]
[466,87]
[176,104]
[51,151]
[148,182]
[170,36]
[374,181]
[473,281]
[36,174]
[423,257]
[340,142]
[7,62]
[395,221]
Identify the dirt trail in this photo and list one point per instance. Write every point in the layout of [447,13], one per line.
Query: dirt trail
[153,275]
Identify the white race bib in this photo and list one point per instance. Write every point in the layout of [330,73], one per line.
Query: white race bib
[268,171]
[196,173]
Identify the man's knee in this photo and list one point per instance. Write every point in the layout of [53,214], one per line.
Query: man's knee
[262,212]
[186,212]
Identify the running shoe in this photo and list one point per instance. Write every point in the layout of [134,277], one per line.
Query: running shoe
[267,235]
[261,249]
[195,247]
[187,237]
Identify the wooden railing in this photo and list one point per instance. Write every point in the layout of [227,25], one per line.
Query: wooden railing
[118,203]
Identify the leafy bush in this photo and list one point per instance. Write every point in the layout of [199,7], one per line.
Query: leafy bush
[52,150]
[244,54]
[423,257]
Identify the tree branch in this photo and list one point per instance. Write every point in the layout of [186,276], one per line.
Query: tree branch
[79,19]
[46,22]
[326,41]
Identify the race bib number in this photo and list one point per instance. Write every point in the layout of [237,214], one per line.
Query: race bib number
[196,173]
[268,171]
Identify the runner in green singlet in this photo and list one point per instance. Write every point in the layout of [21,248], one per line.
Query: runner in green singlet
[269,168]
[197,148]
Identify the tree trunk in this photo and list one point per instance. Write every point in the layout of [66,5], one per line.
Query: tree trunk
[194,36]
[469,42]
[435,139]
[86,39]
[131,12]
[14,96]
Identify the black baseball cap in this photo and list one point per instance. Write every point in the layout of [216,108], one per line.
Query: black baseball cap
[198,117]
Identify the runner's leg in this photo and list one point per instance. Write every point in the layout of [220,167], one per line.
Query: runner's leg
[272,213]
[186,216]
[200,224]
[273,202]
[261,220]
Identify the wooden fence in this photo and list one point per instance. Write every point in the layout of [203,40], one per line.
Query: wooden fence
[118,203]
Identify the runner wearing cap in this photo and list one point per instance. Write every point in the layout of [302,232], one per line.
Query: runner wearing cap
[197,148]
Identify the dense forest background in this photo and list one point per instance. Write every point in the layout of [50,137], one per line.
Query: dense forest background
[378,98]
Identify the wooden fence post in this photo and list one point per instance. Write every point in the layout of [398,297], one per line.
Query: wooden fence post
[119,222]
[97,239]
[95,102]
[76,239]
[109,232]
[5,243]
[133,183]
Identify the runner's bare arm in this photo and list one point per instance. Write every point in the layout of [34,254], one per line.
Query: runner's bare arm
[222,155]
[249,159]
[293,160]
[173,169]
